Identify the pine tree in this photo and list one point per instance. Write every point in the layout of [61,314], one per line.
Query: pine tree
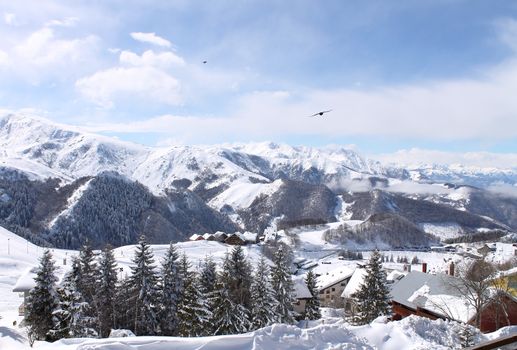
[240,274]
[372,298]
[283,287]
[42,301]
[106,291]
[312,307]
[86,284]
[170,292]
[262,296]
[124,310]
[193,312]
[73,318]
[228,316]
[143,286]
[208,276]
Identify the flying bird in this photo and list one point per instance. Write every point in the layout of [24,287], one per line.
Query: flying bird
[319,114]
[204,62]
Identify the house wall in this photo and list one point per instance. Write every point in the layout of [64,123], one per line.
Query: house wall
[331,296]
[299,306]
[234,240]
[497,315]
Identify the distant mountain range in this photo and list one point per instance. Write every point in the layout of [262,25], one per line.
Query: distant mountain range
[63,186]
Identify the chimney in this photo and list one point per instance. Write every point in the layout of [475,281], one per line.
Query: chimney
[407,267]
[451,268]
[424,267]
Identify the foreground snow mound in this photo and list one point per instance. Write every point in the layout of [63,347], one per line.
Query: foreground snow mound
[278,337]
[415,333]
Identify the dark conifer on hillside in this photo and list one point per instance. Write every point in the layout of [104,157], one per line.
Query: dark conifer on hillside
[312,307]
[193,312]
[143,291]
[262,297]
[106,291]
[372,298]
[170,291]
[42,301]
[228,316]
[283,287]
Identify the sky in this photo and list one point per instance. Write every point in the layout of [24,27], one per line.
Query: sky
[413,78]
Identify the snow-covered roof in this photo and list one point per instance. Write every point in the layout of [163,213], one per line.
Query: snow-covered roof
[194,237]
[395,275]
[26,281]
[207,235]
[355,281]
[433,293]
[335,276]
[300,289]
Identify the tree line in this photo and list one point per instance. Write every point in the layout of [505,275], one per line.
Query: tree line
[173,299]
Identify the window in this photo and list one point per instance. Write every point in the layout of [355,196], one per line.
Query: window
[322,292]
[343,284]
[333,289]
[328,291]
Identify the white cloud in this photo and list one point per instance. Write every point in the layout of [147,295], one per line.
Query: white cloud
[43,48]
[66,22]
[10,19]
[4,58]
[151,38]
[43,54]
[417,157]
[150,58]
[507,29]
[503,189]
[147,83]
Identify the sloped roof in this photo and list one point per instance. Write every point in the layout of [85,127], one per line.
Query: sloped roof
[334,276]
[300,289]
[433,293]
[354,283]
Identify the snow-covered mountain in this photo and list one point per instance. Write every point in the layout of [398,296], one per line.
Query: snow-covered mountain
[230,186]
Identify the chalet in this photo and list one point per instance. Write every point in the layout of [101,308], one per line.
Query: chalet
[484,250]
[220,236]
[209,237]
[196,237]
[331,285]
[234,239]
[431,296]
[239,238]
[302,294]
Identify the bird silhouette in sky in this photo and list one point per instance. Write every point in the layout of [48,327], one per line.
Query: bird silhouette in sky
[204,62]
[320,114]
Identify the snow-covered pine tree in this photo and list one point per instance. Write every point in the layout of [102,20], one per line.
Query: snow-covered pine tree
[143,285]
[170,291]
[106,291]
[42,300]
[75,316]
[228,316]
[193,312]
[240,274]
[208,275]
[124,310]
[262,297]
[283,287]
[373,297]
[86,284]
[312,306]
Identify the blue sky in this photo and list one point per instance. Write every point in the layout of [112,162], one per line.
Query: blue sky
[439,75]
